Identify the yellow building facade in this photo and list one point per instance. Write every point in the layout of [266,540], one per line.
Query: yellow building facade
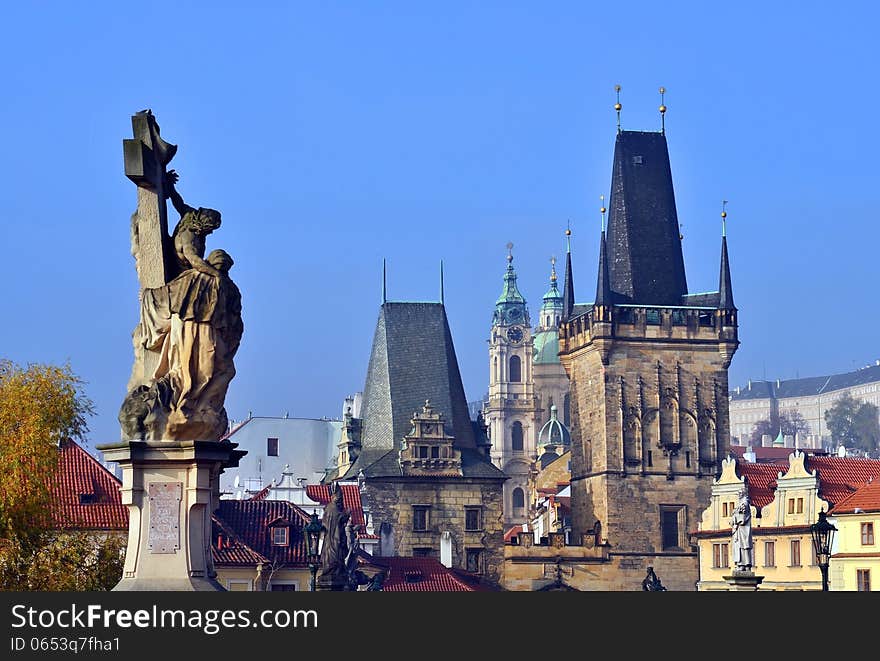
[855,560]
[786,500]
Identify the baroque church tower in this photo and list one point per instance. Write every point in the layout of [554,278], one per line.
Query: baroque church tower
[512,410]
[647,363]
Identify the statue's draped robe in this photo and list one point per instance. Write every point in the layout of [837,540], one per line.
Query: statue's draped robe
[194,322]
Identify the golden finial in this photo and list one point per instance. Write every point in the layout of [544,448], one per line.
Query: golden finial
[617,106]
[602,211]
[509,251]
[680,235]
[568,236]
[662,111]
[553,268]
[723,217]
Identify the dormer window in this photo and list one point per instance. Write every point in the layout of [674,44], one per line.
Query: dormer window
[281,536]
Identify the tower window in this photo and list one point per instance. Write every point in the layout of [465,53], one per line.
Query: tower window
[472,518]
[516,437]
[271,447]
[519,501]
[473,560]
[421,517]
[672,522]
[515,369]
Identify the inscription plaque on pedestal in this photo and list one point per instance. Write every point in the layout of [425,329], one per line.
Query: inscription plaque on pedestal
[164,516]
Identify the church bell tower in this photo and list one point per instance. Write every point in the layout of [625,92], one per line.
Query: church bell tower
[511,411]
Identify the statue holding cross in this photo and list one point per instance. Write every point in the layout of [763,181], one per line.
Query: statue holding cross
[190,310]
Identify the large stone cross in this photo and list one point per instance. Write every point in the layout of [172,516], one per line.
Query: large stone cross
[146,156]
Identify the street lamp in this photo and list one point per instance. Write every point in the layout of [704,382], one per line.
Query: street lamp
[823,536]
[313,532]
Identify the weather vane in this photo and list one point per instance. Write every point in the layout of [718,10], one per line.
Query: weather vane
[510,251]
[662,111]
[723,217]
[617,106]
[602,211]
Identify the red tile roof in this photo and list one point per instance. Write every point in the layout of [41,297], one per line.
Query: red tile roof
[86,495]
[246,526]
[512,533]
[424,575]
[762,480]
[351,499]
[866,498]
[841,476]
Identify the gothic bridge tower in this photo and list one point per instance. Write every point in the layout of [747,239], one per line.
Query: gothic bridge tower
[647,362]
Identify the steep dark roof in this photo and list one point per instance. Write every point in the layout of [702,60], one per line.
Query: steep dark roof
[568,310]
[603,283]
[412,360]
[814,385]
[646,265]
[725,287]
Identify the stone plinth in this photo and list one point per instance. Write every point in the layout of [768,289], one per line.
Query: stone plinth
[743,581]
[171,489]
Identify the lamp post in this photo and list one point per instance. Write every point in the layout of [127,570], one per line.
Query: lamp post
[823,537]
[313,538]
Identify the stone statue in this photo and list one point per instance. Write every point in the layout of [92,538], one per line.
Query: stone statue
[334,552]
[651,582]
[741,523]
[190,324]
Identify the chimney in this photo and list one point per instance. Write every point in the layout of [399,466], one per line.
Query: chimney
[749,454]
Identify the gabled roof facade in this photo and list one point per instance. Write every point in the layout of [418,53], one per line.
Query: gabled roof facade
[85,495]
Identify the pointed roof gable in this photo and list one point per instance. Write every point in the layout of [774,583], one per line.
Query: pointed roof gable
[646,264]
[413,359]
[725,287]
[603,284]
[568,285]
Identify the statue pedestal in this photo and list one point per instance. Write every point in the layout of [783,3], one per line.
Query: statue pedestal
[171,489]
[743,581]
[335,585]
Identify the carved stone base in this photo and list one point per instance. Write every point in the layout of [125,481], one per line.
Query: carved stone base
[171,489]
[742,581]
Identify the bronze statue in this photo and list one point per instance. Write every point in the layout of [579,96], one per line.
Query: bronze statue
[651,582]
[334,552]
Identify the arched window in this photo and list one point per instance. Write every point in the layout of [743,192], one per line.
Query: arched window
[519,500]
[516,437]
[497,376]
[515,371]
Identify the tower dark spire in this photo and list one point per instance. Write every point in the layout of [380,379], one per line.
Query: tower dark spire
[725,287]
[645,261]
[568,285]
[603,285]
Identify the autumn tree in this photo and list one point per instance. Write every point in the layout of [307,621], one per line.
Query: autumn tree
[40,405]
[854,423]
[790,423]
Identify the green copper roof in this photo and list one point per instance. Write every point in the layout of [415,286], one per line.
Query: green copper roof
[546,347]
[510,307]
[553,432]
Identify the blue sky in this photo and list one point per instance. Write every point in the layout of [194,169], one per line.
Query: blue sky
[333,135]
